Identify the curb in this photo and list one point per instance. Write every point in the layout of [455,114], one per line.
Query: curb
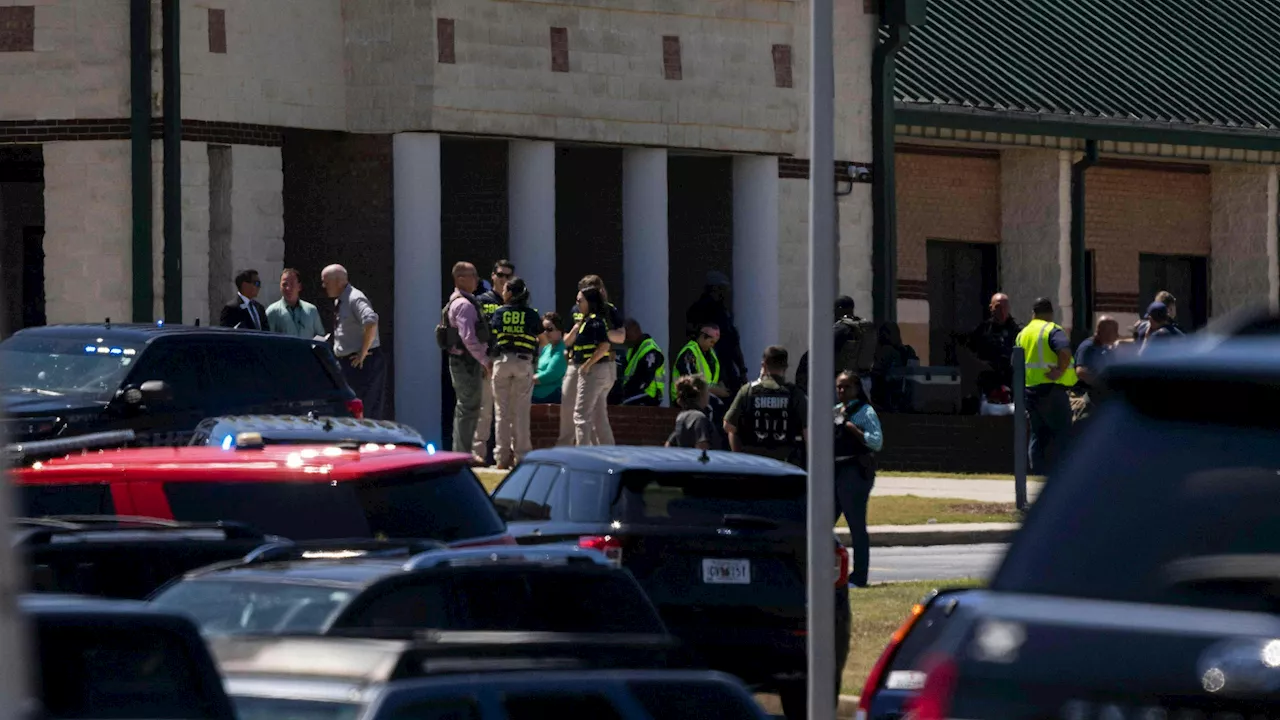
[920,536]
[846,709]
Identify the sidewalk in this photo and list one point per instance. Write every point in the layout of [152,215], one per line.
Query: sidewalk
[979,490]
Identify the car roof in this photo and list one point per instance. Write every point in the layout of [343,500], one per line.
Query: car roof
[658,459]
[146,332]
[308,463]
[57,604]
[307,427]
[1248,359]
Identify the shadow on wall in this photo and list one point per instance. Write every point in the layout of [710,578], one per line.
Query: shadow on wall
[700,218]
[22,280]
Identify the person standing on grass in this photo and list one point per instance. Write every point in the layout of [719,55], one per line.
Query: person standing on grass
[858,438]
[693,426]
[589,340]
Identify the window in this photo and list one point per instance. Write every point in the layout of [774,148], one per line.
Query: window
[507,497]
[179,366]
[42,500]
[551,600]
[439,709]
[704,499]
[444,505]
[53,366]
[297,372]
[531,706]
[1187,277]
[261,708]
[421,605]
[238,606]
[702,700]
[534,505]
[238,377]
[589,496]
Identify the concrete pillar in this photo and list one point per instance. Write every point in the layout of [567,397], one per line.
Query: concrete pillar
[1035,230]
[416,179]
[531,199]
[645,258]
[755,254]
[1242,237]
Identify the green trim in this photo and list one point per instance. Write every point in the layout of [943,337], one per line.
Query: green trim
[172,142]
[140,146]
[1065,126]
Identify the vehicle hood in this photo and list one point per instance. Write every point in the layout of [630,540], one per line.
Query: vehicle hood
[32,404]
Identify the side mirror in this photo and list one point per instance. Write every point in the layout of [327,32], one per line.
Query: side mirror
[154,391]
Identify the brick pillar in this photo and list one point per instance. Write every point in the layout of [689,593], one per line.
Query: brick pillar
[1035,230]
[1242,234]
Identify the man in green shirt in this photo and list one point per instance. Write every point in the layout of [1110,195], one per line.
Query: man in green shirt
[291,315]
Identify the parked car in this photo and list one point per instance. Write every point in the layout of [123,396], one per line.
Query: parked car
[122,557]
[473,676]
[298,492]
[717,540]
[319,589]
[1142,583]
[106,659]
[160,380]
[249,430]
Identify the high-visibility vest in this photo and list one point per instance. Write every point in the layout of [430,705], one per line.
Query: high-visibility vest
[704,368]
[658,385]
[1034,341]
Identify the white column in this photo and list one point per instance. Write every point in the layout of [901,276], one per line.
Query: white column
[416,173]
[1035,229]
[755,255]
[531,224]
[1245,270]
[645,266]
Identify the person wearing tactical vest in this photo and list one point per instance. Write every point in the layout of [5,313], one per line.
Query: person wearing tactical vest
[644,379]
[1050,373]
[698,357]
[858,437]
[490,301]
[768,416]
[613,320]
[464,335]
[515,328]
[589,343]
[856,342]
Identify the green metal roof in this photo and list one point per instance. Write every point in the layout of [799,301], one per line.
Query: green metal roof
[1205,66]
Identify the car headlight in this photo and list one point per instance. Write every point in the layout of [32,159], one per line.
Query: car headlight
[25,427]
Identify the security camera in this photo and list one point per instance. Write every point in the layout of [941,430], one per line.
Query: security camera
[859,173]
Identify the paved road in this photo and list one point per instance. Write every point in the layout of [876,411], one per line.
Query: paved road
[896,564]
[980,490]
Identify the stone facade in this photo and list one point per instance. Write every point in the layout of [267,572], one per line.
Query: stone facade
[1243,237]
[1035,227]
[257,211]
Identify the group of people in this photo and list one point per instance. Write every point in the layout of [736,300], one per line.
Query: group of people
[354,338]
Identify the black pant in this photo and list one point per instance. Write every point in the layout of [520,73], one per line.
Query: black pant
[853,491]
[1049,410]
[368,381]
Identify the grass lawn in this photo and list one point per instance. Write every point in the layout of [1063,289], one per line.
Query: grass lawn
[877,612]
[490,478]
[955,476]
[912,510]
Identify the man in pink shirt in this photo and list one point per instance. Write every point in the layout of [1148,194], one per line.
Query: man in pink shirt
[468,356]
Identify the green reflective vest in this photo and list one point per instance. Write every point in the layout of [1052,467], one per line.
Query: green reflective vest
[1034,341]
[700,360]
[658,385]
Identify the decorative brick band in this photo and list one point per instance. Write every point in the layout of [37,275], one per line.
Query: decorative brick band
[228,133]
[42,131]
[794,168]
[913,289]
[1115,302]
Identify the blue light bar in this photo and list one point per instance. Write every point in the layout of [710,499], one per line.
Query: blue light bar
[227,442]
[431,449]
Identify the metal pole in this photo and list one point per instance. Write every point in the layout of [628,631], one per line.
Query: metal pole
[822,292]
[140,168]
[1020,428]
[171,101]
[15,664]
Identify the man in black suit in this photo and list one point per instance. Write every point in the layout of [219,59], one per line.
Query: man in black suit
[244,312]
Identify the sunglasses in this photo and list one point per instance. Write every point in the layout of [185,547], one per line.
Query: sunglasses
[505,275]
[256,283]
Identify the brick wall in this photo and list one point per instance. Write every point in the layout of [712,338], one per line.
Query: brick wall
[947,443]
[943,197]
[1132,211]
[631,425]
[473,205]
[700,221]
[588,222]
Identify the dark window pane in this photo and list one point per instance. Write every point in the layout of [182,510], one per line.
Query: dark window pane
[589,497]
[261,708]
[448,506]
[441,709]
[507,497]
[180,366]
[65,366]
[542,706]
[297,372]
[238,378]
[553,601]
[556,506]
[231,607]
[41,500]
[704,701]
[424,605]
[534,505]
[693,499]
[134,672]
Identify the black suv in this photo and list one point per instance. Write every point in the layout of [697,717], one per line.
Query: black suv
[717,540]
[1145,581]
[160,380]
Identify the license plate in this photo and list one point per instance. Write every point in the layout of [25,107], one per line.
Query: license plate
[726,572]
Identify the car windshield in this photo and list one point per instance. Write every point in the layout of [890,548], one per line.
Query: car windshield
[440,504]
[263,708]
[233,607]
[62,366]
[706,498]
[1149,509]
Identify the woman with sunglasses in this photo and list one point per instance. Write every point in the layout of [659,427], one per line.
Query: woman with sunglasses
[552,363]
[589,342]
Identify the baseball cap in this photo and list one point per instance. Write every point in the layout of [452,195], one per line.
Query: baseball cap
[1158,311]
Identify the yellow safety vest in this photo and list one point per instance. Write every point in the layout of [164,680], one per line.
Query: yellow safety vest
[658,385]
[1034,341]
[704,368]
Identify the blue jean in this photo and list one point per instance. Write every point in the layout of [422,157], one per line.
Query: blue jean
[853,492]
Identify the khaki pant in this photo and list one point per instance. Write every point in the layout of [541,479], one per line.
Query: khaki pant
[512,396]
[484,423]
[568,396]
[593,391]
[600,428]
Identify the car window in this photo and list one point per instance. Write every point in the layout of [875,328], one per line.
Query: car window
[118,672]
[421,605]
[507,497]
[534,505]
[435,709]
[704,499]
[86,499]
[701,700]
[538,706]
[181,367]
[446,504]
[238,376]
[589,496]
[1142,499]
[551,600]
[53,366]
[297,372]
[262,708]
[230,607]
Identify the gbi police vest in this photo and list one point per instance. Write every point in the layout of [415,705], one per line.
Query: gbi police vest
[518,328]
